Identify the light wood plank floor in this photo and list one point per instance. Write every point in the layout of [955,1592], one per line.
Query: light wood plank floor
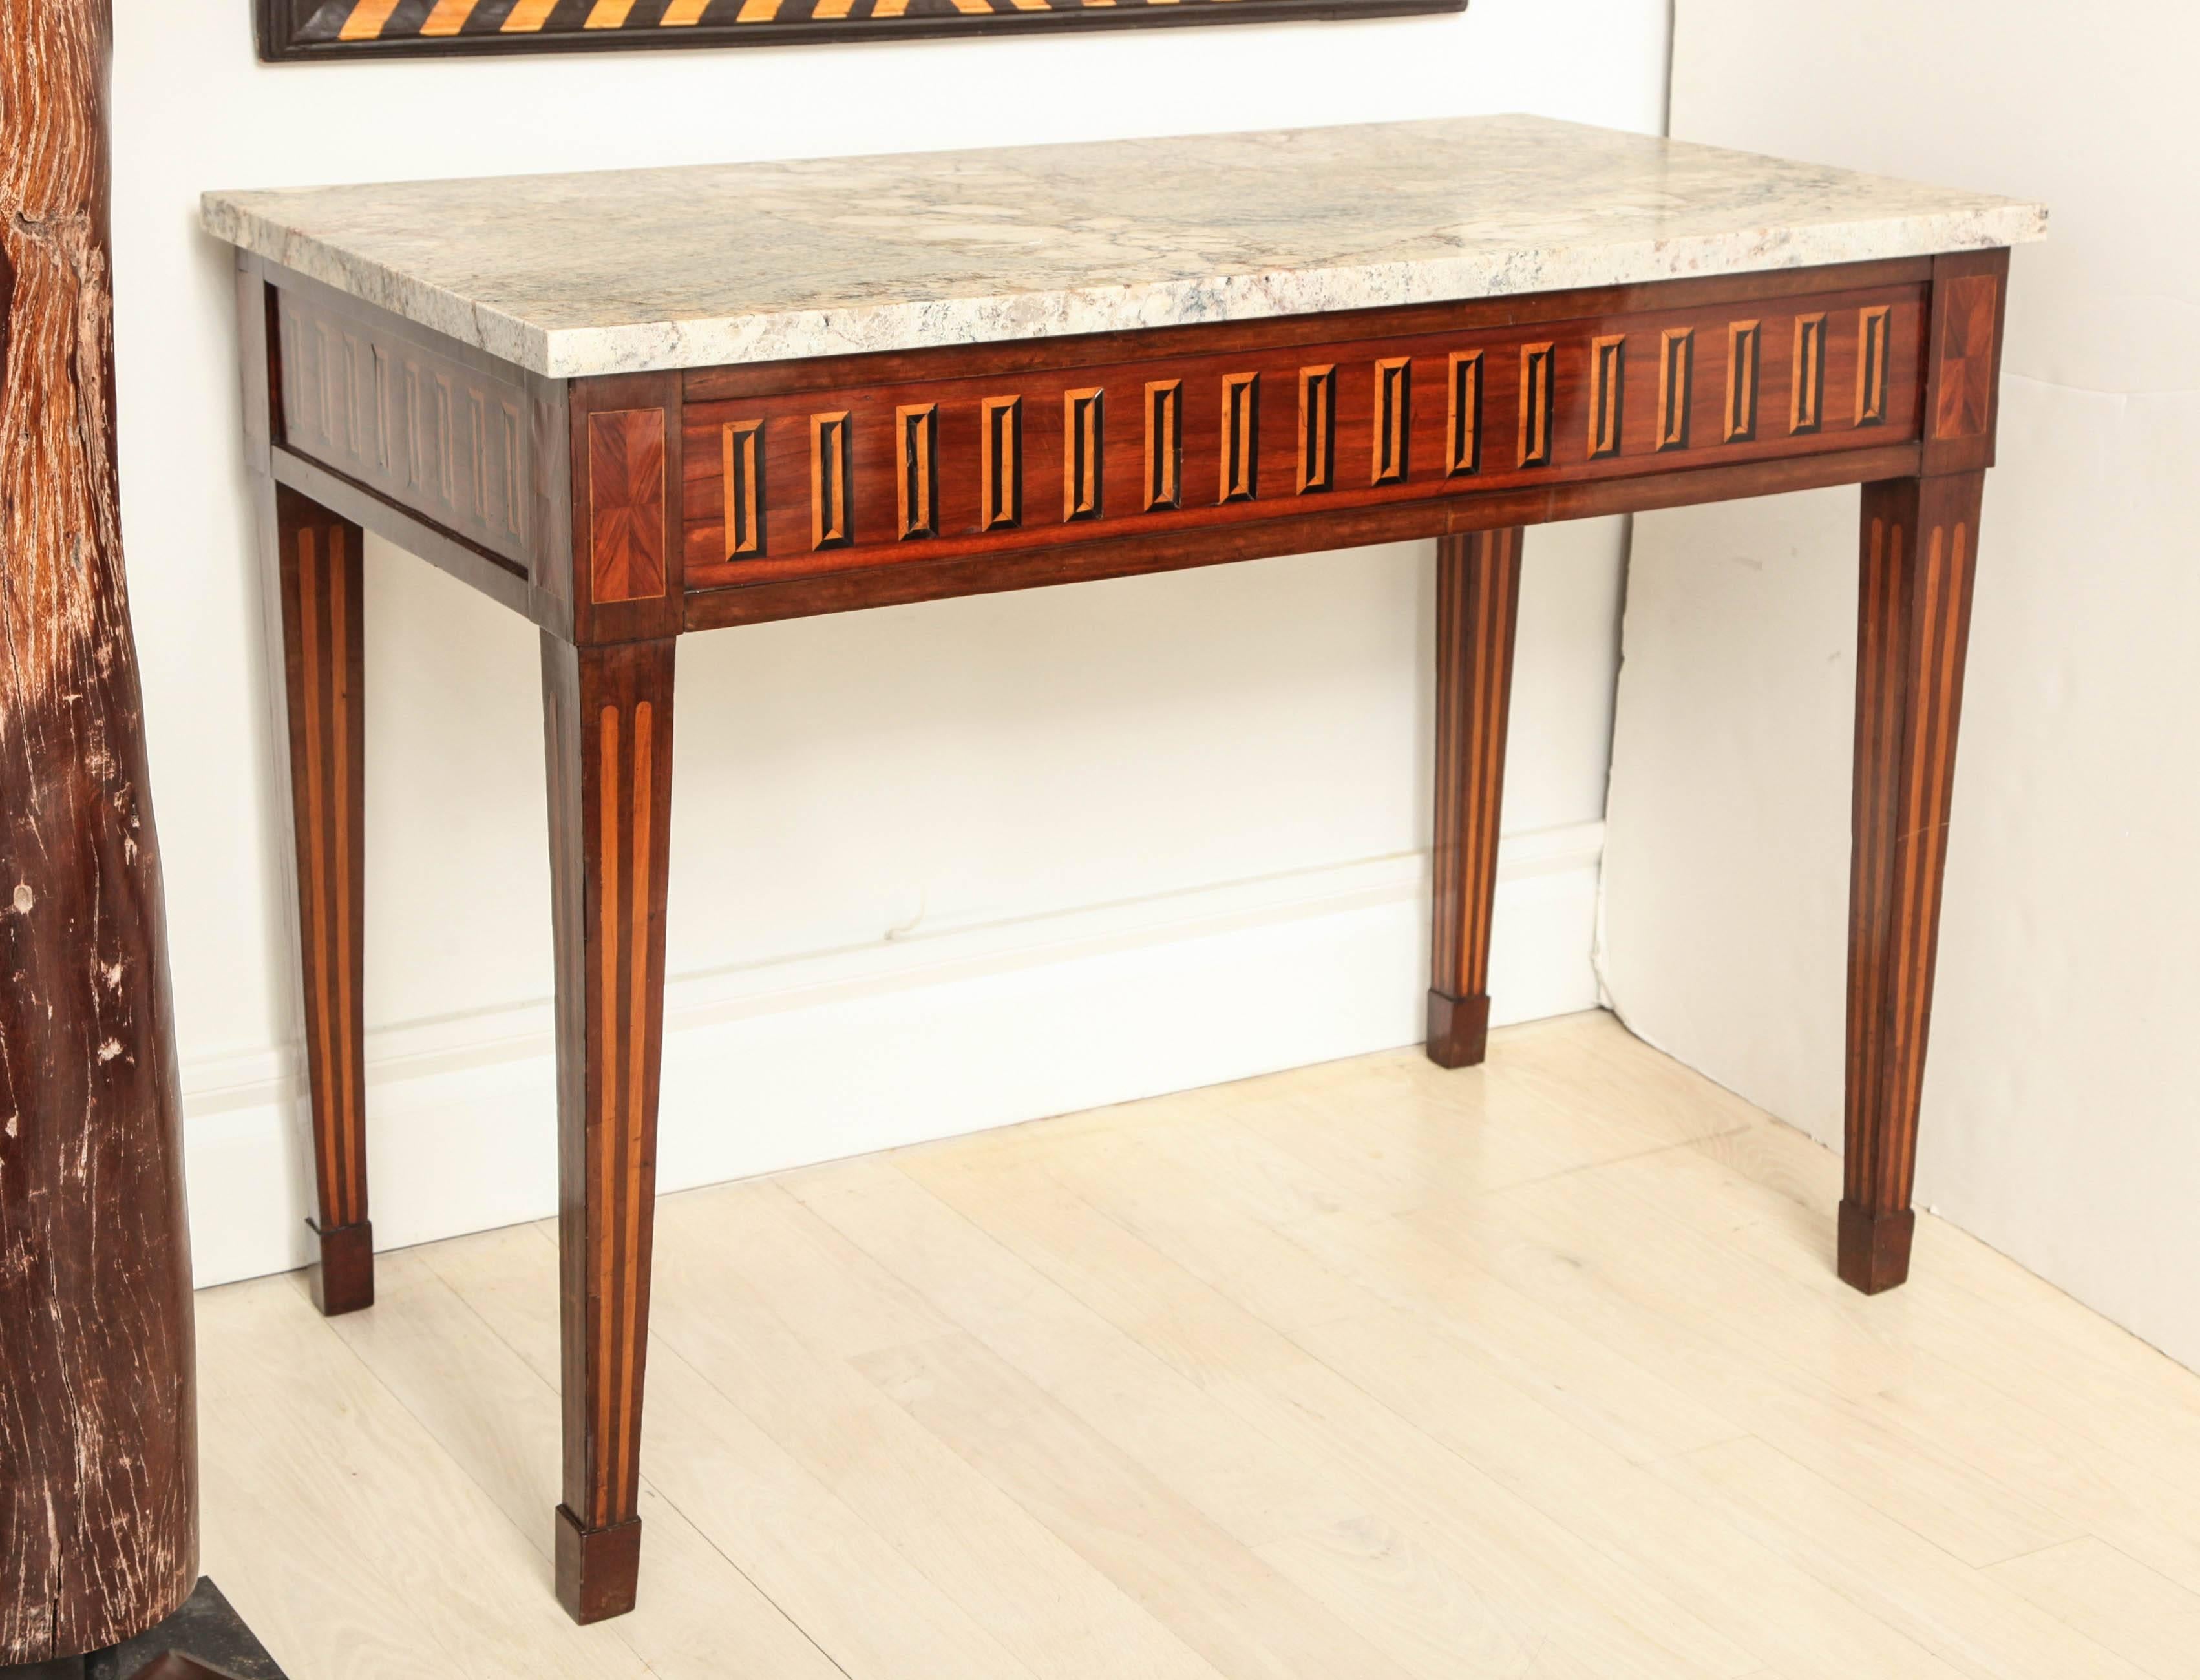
[1362,1372]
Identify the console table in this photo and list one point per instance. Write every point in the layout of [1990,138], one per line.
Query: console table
[634,404]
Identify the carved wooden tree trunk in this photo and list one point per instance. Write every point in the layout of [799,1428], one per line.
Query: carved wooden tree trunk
[98,1454]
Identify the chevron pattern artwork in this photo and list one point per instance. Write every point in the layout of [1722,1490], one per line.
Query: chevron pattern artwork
[311,29]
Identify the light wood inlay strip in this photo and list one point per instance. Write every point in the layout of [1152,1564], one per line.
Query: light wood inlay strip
[1873,327]
[1677,364]
[832,499]
[1082,439]
[528,15]
[1485,587]
[1443,955]
[681,13]
[1889,788]
[1538,377]
[603,1237]
[315,889]
[607,14]
[1934,837]
[916,475]
[1742,381]
[340,746]
[1394,411]
[1317,427]
[1807,393]
[637,1060]
[1000,464]
[1487,584]
[1912,844]
[1164,443]
[1503,551]
[1876,725]
[1241,437]
[1607,385]
[742,444]
[1465,417]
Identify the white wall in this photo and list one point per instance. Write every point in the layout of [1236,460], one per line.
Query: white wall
[933,867]
[2059,1120]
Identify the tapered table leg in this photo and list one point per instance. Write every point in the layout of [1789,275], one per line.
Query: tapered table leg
[1477,599]
[318,560]
[607,714]
[1920,546]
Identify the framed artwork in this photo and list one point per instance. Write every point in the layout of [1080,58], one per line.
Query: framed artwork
[291,31]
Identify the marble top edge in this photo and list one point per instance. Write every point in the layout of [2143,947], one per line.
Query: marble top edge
[695,265]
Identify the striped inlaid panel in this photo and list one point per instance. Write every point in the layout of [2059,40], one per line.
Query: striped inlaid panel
[808,480]
[297,28]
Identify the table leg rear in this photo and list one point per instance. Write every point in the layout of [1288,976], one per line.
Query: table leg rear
[320,580]
[1477,602]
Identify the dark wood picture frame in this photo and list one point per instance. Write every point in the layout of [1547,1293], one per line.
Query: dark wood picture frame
[306,30]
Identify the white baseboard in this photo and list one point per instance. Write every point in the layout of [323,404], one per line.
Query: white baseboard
[838,1052]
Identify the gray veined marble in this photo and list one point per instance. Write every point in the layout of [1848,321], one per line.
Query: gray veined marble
[633,270]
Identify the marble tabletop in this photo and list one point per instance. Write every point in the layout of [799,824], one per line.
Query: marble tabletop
[629,270]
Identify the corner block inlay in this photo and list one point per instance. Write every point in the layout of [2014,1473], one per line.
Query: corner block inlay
[626,504]
[1967,347]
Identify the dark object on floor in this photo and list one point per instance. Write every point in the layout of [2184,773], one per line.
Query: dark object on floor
[205,1640]
[97,1542]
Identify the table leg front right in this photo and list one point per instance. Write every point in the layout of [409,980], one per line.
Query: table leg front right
[607,714]
[1920,549]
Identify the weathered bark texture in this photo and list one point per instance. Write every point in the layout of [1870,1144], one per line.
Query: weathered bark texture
[98,1456]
